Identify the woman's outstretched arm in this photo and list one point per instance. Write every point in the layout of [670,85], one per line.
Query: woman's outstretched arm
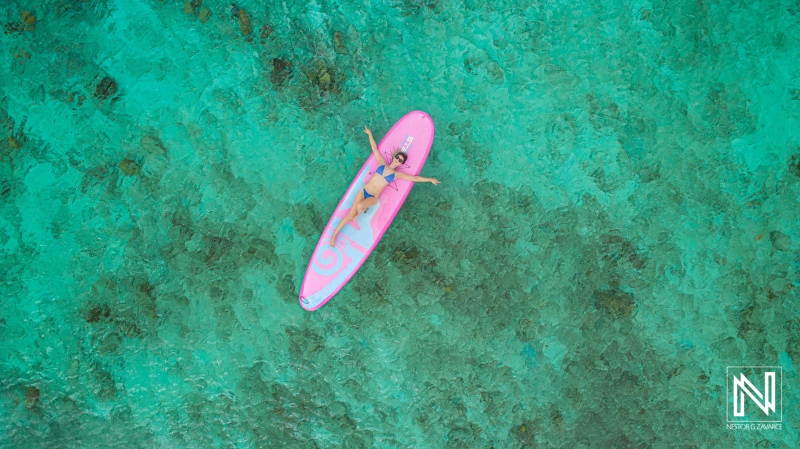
[374,147]
[397,174]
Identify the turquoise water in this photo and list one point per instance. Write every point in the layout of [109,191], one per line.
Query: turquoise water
[617,223]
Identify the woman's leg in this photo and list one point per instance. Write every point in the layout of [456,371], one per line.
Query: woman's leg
[366,204]
[350,215]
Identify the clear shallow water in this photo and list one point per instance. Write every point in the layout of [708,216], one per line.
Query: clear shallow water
[616,224]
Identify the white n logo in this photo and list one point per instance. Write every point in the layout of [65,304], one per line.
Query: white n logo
[765,401]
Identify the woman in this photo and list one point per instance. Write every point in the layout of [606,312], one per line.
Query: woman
[386,173]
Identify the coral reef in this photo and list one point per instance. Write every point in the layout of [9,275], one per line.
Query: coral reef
[106,88]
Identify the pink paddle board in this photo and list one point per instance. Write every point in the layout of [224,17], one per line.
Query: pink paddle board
[331,268]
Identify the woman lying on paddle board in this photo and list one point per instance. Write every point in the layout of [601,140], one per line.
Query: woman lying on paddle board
[383,175]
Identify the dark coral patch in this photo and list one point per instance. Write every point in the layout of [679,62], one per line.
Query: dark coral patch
[780,241]
[614,302]
[107,343]
[265,32]
[193,8]
[244,23]
[524,434]
[129,167]
[338,44]
[287,288]
[216,248]
[27,23]
[259,250]
[97,313]
[106,88]
[31,397]
[5,188]
[408,259]
[324,77]
[794,165]
[13,27]
[103,386]
[29,20]
[152,144]
[17,138]
[415,7]
[281,71]
[204,15]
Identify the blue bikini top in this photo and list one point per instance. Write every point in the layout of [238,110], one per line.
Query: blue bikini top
[379,171]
